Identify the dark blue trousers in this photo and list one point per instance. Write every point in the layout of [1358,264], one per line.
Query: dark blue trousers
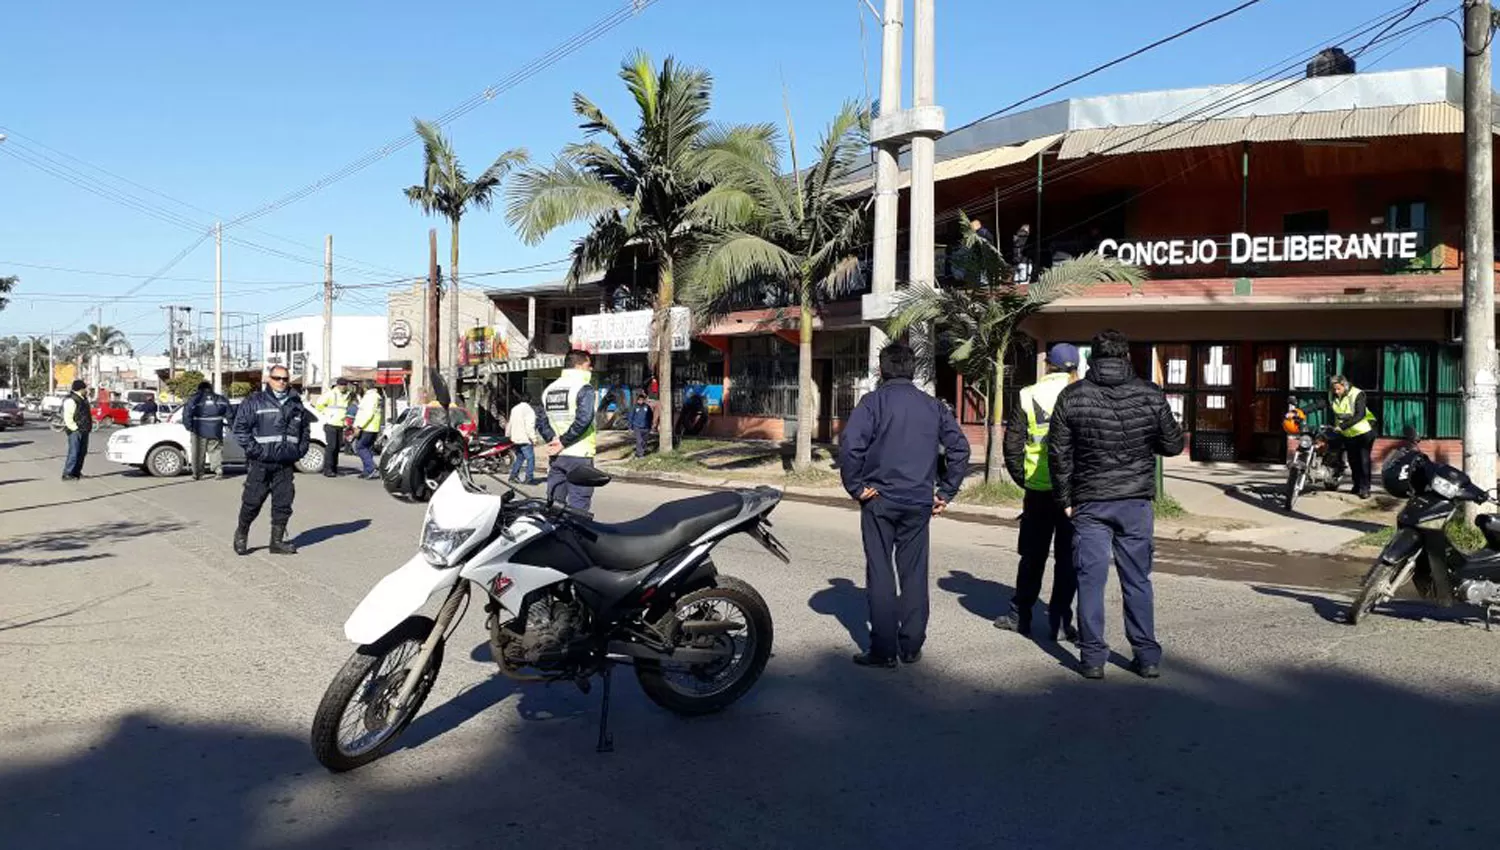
[896,555]
[78,451]
[1045,528]
[1123,530]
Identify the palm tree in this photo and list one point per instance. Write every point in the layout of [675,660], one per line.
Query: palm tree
[446,190]
[804,235]
[977,320]
[36,352]
[6,285]
[97,341]
[650,190]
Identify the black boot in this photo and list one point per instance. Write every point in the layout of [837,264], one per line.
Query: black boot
[279,544]
[242,540]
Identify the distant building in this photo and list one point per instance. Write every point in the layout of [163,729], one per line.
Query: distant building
[359,343]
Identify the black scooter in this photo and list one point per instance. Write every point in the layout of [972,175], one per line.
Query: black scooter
[1421,552]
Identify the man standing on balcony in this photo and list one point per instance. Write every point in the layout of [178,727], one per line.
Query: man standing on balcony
[1044,526]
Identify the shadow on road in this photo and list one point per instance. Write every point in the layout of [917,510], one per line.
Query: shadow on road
[15,444]
[845,601]
[48,614]
[1413,608]
[82,543]
[314,536]
[819,755]
[18,481]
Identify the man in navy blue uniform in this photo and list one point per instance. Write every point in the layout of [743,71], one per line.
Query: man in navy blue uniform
[889,464]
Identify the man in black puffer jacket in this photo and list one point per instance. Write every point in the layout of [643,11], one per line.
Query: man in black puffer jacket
[272,427]
[1106,432]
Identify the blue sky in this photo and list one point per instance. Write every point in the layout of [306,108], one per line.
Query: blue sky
[229,106]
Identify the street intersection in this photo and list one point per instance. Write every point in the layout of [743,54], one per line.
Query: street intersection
[158,693]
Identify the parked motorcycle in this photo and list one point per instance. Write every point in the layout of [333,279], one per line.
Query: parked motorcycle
[566,598]
[490,454]
[1420,551]
[1316,461]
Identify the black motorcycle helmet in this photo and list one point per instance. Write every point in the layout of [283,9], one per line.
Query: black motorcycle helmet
[1404,471]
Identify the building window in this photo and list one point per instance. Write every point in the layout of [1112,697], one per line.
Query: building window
[763,377]
[1449,397]
[1410,216]
[1308,221]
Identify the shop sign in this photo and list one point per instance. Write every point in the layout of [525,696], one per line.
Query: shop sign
[400,333]
[482,345]
[1244,249]
[629,332]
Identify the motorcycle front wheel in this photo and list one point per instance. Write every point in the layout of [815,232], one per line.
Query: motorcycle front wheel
[745,638]
[356,723]
[1380,584]
[1295,479]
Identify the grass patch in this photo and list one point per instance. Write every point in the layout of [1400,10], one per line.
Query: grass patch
[1460,534]
[992,493]
[814,478]
[1375,539]
[1167,507]
[665,462]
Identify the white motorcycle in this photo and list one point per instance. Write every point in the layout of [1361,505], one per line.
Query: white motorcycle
[566,598]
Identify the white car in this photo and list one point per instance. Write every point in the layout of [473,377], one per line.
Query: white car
[162,449]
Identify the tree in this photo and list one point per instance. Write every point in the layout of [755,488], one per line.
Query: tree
[651,191]
[447,191]
[977,320]
[97,341]
[6,285]
[804,235]
[36,354]
[185,383]
[240,389]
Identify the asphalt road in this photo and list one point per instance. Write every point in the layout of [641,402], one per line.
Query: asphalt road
[158,692]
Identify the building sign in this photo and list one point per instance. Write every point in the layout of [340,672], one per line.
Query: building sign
[629,332]
[1244,249]
[400,333]
[482,345]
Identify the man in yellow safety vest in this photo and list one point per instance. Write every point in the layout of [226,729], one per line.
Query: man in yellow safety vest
[1043,524]
[567,425]
[1356,425]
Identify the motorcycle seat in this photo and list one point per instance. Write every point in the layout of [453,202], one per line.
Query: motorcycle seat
[631,545]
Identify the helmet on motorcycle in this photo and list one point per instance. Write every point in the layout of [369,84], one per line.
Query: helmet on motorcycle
[1292,423]
[1403,472]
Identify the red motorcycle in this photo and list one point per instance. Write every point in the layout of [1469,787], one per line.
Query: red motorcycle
[493,454]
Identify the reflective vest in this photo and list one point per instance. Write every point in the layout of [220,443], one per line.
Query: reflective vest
[1343,407]
[1037,402]
[370,416]
[560,403]
[334,402]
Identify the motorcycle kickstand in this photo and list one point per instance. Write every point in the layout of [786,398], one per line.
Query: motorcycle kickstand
[606,740]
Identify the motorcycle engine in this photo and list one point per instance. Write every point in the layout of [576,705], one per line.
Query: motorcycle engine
[552,626]
[1480,592]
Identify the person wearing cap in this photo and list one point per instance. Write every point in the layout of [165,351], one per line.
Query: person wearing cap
[331,408]
[78,423]
[1044,526]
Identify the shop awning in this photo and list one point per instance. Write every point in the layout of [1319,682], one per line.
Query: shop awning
[958,166]
[1341,125]
[529,364]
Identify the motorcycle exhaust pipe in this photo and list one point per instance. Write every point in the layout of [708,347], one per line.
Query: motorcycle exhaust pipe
[699,628]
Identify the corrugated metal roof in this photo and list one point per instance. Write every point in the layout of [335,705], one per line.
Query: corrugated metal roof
[961,165]
[1410,120]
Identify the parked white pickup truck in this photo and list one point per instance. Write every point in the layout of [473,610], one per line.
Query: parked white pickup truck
[162,449]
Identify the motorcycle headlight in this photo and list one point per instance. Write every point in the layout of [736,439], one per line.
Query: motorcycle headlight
[439,544]
[1304,442]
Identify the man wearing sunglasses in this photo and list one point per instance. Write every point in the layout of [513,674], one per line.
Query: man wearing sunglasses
[272,427]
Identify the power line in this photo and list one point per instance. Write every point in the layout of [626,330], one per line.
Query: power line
[561,51]
[99,273]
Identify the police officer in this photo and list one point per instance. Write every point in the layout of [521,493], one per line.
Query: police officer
[331,408]
[889,464]
[1356,426]
[204,417]
[368,421]
[1044,526]
[567,424]
[640,422]
[78,423]
[272,427]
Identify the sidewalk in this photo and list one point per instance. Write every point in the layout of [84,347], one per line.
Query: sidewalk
[1225,503]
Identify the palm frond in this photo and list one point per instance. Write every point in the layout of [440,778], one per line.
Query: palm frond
[544,199]
[596,250]
[1073,276]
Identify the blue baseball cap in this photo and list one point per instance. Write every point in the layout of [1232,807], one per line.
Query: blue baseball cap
[1063,356]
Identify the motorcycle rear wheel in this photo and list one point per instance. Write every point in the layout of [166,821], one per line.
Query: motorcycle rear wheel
[706,689]
[365,676]
[1377,587]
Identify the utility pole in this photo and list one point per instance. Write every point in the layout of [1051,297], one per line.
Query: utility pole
[326,380]
[51,362]
[171,341]
[920,126]
[1479,251]
[98,352]
[430,335]
[218,307]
